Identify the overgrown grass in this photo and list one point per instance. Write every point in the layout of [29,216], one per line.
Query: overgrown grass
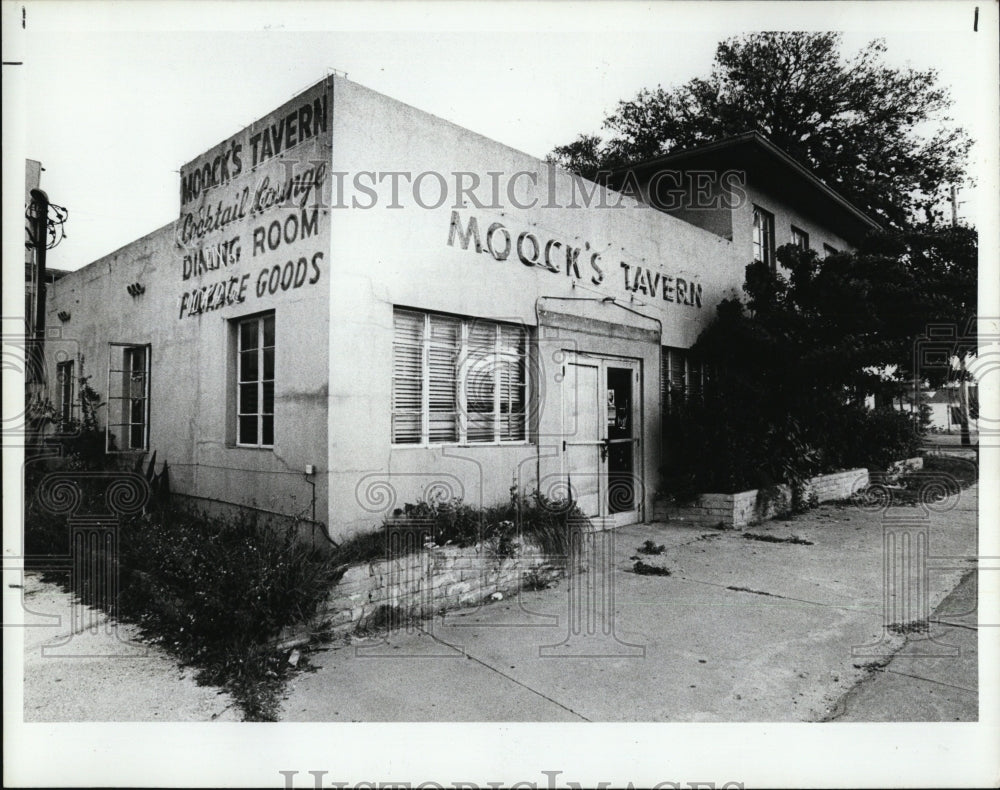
[217,593]
[549,524]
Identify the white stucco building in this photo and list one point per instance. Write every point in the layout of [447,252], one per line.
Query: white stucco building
[361,304]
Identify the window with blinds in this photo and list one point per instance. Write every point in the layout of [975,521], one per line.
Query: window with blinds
[682,377]
[458,380]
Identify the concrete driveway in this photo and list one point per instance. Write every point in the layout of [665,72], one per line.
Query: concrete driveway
[776,628]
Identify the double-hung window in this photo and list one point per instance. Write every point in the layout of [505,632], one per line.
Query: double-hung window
[128,397]
[255,381]
[763,236]
[458,380]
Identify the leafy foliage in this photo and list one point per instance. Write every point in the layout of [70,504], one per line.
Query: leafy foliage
[218,592]
[214,592]
[549,523]
[877,134]
[796,360]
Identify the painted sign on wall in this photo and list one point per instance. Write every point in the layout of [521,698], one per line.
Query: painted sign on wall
[253,221]
[559,256]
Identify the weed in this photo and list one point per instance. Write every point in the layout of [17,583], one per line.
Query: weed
[214,593]
[748,590]
[643,569]
[872,666]
[553,525]
[533,580]
[648,547]
[911,627]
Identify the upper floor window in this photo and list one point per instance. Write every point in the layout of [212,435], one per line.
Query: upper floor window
[255,344]
[128,398]
[459,380]
[800,238]
[763,236]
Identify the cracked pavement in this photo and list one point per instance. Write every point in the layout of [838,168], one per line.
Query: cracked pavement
[741,630]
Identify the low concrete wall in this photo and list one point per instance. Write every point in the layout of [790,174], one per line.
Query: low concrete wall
[436,579]
[735,511]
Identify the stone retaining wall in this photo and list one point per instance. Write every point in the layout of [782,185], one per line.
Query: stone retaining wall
[735,511]
[432,580]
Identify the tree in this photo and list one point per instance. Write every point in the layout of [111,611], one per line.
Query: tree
[875,133]
[847,318]
[794,360]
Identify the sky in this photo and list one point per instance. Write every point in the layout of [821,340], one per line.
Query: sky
[116,97]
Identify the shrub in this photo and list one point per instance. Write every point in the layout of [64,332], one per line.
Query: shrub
[716,447]
[858,437]
[720,445]
[214,592]
[550,524]
[219,592]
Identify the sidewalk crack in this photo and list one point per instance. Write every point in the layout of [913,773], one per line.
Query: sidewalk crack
[929,680]
[508,677]
[769,594]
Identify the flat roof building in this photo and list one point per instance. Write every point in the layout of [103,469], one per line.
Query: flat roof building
[361,305]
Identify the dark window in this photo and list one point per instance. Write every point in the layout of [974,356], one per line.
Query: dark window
[800,238]
[682,377]
[763,236]
[66,381]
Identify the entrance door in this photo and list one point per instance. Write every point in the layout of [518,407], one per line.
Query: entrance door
[601,436]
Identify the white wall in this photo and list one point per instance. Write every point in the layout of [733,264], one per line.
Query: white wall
[192,381]
[400,256]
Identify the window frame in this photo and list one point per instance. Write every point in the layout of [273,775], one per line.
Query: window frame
[67,390]
[802,242]
[259,320]
[144,399]
[688,369]
[766,226]
[463,357]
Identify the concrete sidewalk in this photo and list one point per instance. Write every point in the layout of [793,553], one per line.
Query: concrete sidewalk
[79,666]
[934,677]
[772,629]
